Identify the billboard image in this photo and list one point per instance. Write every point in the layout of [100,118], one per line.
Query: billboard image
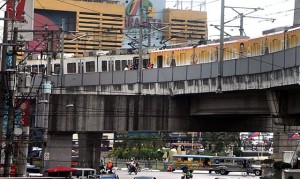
[152,22]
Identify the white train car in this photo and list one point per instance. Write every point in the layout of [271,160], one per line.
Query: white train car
[86,64]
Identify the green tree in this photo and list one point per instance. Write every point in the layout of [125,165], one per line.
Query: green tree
[139,146]
[220,142]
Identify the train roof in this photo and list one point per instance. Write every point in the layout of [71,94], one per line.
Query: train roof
[215,157]
[194,156]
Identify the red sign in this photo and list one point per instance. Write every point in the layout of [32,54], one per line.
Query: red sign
[19,6]
[24,106]
[13,171]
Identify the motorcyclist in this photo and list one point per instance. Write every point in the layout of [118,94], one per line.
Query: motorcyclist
[187,173]
[132,165]
[102,167]
[109,166]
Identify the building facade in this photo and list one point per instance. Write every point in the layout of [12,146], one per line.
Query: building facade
[92,25]
[89,26]
[185,26]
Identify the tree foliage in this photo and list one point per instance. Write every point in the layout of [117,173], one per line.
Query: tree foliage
[139,146]
[221,143]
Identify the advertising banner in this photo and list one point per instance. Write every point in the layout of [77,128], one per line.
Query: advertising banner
[152,22]
[23,9]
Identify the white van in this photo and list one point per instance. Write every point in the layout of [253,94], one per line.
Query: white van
[83,173]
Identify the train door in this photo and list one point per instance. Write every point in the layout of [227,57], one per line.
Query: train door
[123,64]
[255,49]
[80,67]
[159,61]
[182,59]
[104,65]
[111,64]
[118,66]
[56,69]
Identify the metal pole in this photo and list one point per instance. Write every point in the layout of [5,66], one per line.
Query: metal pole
[140,67]
[11,112]
[46,94]
[61,71]
[220,64]
[3,69]
[242,24]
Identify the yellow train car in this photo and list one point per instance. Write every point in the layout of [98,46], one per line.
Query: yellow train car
[207,53]
[235,49]
[292,38]
[266,44]
[171,57]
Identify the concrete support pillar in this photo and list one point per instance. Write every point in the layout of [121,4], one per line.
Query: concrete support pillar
[273,102]
[59,148]
[89,150]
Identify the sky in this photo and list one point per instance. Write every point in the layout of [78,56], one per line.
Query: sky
[280,10]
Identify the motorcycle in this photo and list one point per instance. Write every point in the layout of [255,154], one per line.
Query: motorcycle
[187,174]
[132,169]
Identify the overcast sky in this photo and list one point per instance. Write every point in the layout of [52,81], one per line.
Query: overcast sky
[280,10]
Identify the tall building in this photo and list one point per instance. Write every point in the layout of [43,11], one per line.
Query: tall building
[185,25]
[297,13]
[89,25]
[92,25]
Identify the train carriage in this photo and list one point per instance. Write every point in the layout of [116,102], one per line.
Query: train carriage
[87,64]
[235,49]
[191,55]
[292,38]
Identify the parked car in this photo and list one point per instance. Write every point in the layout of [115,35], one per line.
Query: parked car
[105,176]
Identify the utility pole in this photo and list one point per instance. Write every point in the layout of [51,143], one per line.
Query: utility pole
[220,63]
[46,91]
[3,69]
[140,48]
[11,94]
[61,70]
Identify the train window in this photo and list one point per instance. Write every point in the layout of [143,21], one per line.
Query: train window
[104,65]
[294,41]
[135,60]
[90,66]
[118,65]
[146,62]
[56,68]
[28,68]
[71,68]
[41,68]
[124,63]
[35,68]
[159,61]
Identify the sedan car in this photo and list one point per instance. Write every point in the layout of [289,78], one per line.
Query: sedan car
[105,176]
[144,177]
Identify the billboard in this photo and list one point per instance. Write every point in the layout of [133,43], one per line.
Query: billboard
[24,8]
[152,22]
